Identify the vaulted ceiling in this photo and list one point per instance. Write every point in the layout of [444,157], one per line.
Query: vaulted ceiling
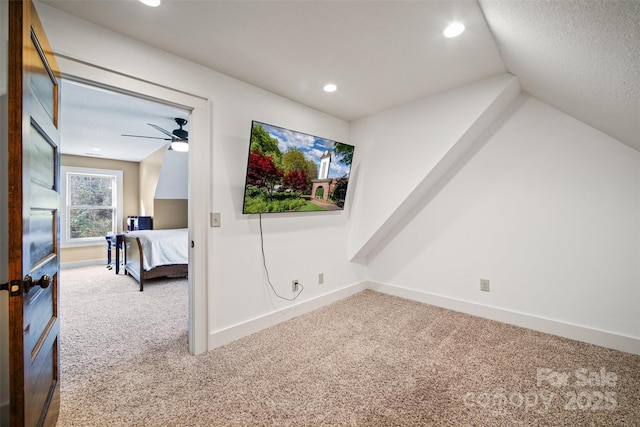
[579,56]
[582,57]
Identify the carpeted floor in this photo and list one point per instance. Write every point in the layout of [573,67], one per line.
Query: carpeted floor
[368,360]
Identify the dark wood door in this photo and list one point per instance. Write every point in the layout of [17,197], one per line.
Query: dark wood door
[33,221]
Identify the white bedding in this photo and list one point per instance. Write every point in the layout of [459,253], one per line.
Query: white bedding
[163,247]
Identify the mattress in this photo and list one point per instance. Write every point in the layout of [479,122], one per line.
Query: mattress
[163,247]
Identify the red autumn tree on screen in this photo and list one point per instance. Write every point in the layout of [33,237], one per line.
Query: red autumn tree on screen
[296,180]
[262,171]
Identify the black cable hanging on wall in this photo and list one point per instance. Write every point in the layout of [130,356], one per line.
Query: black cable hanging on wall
[266,270]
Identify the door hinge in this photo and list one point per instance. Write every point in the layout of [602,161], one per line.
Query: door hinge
[14,287]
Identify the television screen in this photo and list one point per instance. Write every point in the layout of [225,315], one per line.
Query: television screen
[290,171]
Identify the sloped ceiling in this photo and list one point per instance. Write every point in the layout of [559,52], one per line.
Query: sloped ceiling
[579,56]
[582,57]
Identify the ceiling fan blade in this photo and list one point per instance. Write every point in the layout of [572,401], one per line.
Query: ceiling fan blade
[148,137]
[166,132]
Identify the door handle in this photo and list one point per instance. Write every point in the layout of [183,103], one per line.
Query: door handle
[30,283]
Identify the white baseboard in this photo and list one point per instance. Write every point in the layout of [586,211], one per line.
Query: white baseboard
[566,330]
[554,327]
[87,263]
[232,333]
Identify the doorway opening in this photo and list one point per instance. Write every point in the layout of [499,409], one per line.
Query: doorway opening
[199,155]
[107,132]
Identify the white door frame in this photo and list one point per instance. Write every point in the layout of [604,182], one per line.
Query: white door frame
[199,177]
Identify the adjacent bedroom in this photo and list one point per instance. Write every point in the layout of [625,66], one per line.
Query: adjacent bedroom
[124,224]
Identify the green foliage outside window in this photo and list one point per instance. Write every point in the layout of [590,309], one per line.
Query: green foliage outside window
[91,205]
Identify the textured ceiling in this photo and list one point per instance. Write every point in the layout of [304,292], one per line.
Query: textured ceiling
[579,56]
[582,57]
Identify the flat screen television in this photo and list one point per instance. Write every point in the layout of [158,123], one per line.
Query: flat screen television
[289,171]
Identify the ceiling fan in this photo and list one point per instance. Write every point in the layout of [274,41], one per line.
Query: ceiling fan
[179,137]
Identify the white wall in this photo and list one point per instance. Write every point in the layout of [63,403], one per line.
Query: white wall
[548,210]
[297,246]
[405,152]
[173,182]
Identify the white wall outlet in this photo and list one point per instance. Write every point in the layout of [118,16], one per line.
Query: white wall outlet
[295,285]
[320,278]
[214,219]
[484,285]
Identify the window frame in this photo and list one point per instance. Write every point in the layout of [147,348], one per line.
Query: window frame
[65,240]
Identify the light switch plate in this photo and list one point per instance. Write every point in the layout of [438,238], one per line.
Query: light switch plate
[214,218]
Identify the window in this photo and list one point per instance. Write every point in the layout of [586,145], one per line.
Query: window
[91,205]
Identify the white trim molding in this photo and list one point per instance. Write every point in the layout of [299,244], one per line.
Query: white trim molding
[240,330]
[549,326]
[524,320]
[200,173]
[77,264]
[65,239]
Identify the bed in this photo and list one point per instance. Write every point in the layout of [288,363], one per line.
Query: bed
[156,253]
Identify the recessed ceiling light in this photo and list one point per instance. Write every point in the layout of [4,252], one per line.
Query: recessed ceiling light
[454,29]
[152,3]
[96,149]
[330,87]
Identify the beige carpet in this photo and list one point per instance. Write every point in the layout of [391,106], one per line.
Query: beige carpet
[368,360]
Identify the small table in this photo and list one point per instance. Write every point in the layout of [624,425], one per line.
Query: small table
[114,240]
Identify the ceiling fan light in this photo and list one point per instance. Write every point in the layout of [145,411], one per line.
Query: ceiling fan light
[181,146]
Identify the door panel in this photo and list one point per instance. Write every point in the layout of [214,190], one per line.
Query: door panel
[42,156]
[33,220]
